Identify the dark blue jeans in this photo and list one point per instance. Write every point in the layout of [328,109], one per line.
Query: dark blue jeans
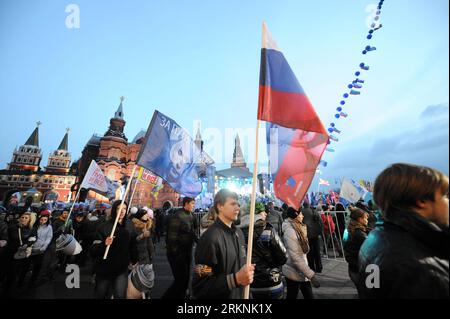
[107,287]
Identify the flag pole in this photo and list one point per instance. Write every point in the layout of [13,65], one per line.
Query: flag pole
[73,204]
[252,209]
[132,195]
[120,209]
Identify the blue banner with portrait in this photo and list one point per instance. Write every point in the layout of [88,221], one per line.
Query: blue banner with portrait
[169,152]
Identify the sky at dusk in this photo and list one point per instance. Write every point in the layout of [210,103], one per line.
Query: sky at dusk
[198,61]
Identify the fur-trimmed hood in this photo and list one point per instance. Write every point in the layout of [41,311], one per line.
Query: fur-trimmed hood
[140,225]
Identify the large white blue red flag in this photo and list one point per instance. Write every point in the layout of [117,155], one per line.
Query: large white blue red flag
[296,138]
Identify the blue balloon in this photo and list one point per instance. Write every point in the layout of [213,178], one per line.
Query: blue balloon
[361,65]
[339,109]
[330,130]
[368,47]
[350,86]
[357,73]
[336,116]
[369,36]
[345,95]
[342,102]
[371,31]
[364,52]
[332,124]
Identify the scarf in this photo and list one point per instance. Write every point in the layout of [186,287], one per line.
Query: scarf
[302,234]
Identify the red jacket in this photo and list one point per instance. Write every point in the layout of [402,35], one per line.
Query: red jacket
[328,223]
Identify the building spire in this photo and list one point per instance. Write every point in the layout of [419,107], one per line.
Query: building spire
[238,156]
[64,145]
[33,140]
[198,137]
[119,112]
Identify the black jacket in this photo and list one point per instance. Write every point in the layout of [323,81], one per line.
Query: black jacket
[268,253]
[3,231]
[181,233]
[412,255]
[352,246]
[220,253]
[145,247]
[123,249]
[59,229]
[313,222]
[274,218]
[81,230]
[14,239]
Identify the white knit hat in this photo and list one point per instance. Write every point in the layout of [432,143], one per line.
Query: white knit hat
[133,210]
[149,212]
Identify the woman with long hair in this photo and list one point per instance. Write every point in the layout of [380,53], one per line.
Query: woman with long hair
[112,272]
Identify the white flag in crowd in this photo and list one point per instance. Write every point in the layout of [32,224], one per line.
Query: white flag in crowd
[95,179]
[351,192]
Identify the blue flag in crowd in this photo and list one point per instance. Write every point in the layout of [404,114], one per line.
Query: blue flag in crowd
[169,151]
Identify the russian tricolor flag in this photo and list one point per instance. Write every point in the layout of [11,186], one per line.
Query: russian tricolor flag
[296,138]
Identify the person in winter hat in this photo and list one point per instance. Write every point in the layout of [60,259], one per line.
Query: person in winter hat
[44,234]
[142,276]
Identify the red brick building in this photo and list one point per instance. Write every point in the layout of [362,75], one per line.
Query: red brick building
[117,157]
[23,173]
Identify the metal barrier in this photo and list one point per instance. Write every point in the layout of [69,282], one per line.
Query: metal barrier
[198,216]
[331,236]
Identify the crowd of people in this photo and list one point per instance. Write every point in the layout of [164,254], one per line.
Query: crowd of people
[404,233]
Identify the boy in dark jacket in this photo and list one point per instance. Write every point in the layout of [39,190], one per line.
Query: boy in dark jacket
[408,252]
[181,235]
[220,257]
[314,224]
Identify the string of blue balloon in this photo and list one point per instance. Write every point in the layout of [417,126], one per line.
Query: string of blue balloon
[356,84]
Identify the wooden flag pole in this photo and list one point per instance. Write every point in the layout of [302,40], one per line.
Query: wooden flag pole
[120,209]
[252,209]
[132,194]
[71,208]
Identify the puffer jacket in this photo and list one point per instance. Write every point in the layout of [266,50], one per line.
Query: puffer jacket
[145,248]
[268,253]
[296,267]
[44,237]
[412,255]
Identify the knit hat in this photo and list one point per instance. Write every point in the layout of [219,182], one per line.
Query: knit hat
[150,212]
[133,210]
[292,213]
[141,212]
[44,213]
[143,277]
